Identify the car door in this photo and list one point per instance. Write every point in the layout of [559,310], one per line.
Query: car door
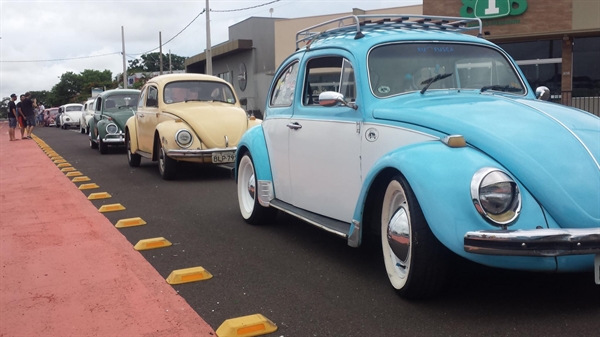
[324,142]
[281,107]
[147,118]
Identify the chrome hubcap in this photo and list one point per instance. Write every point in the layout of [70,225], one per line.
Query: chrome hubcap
[251,186]
[398,236]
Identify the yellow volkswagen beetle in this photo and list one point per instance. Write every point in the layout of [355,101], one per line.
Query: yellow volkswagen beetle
[186,117]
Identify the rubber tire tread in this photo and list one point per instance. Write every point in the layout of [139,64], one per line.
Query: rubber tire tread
[429,264]
[135,158]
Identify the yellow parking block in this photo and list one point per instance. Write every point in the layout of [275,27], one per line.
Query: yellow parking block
[74,174]
[188,275]
[51,153]
[247,326]
[59,161]
[88,186]
[152,243]
[130,222]
[56,158]
[99,195]
[111,208]
[68,169]
[80,179]
[64,165]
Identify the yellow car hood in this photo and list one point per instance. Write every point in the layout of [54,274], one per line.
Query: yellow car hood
[212,121]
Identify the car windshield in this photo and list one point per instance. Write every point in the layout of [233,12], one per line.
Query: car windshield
[121,101]
[400,68]
[74,108]
[187,91]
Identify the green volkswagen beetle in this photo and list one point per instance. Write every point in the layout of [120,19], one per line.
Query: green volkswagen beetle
[111,111]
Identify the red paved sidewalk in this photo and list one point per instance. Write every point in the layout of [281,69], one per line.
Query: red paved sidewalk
[72,273]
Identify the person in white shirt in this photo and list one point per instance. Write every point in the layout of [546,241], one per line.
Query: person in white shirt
[40,114]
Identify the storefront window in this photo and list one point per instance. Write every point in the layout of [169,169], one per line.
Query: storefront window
[539,61]
[533,50]
[586,68]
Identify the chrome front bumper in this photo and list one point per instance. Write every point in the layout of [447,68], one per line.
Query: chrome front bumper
[198,153]
[117,138]
[536,242]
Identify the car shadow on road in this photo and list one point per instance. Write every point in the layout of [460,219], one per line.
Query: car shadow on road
[470,287]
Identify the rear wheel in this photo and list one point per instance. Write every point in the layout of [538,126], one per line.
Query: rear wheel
[251,210]
[415,261]
[167,166]
[133,159]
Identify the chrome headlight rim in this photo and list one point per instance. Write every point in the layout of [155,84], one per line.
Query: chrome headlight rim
[183,145]
[116,128]
[511,213]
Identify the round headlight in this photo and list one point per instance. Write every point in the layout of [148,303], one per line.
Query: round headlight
[496,196]
[112,128]
[183,138]
[67,119]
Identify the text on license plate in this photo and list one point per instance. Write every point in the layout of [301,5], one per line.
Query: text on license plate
[223,157]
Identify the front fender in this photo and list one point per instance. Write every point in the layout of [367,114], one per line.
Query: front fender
[131,129]
[253,141]
[440,177]
[101,126]
[167,130]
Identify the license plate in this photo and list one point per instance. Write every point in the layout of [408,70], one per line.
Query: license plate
[597,268]
[223,157]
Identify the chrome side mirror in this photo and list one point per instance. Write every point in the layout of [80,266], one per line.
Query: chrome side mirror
[332,98]
[542,93]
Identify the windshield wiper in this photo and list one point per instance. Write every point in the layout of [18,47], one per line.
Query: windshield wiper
[433,79]
[124,106]
[496,87]
[198,100]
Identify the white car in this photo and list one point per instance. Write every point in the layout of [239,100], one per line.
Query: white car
[86,115]
[69,115]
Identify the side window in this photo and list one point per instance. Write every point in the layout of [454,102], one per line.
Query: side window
[142,98]
[331,73]
[98,104]
[152,100]
[283,92]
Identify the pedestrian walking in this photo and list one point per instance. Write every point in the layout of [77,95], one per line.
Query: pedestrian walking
[12,117]
[28,106]
[21,116]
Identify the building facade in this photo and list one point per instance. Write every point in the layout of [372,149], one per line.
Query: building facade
[556,44]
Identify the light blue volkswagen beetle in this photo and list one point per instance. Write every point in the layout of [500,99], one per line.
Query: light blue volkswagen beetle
[430,139]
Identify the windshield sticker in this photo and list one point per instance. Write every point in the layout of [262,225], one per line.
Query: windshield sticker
[384,89]
[437,49]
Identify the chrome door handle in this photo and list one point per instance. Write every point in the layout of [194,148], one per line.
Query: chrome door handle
[141,115]
[294,126]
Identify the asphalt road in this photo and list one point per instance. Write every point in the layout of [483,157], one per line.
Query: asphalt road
[308,282]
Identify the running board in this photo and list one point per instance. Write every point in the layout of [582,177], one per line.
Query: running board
[333,226]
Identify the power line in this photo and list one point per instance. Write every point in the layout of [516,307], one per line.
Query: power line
[171,39]
[63,59]
[243,9]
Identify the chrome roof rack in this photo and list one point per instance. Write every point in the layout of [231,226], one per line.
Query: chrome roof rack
[364,23]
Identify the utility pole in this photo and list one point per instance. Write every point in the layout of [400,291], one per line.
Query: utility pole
[124,63]
[208,47]
[170,66]
[160,44]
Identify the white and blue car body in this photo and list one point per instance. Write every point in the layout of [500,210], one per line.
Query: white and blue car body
[430,139]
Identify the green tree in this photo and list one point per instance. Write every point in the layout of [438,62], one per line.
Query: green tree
[42,97]
[151,62]
[4,107]
[76,88]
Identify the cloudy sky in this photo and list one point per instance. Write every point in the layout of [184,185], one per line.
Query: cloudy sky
[66,29]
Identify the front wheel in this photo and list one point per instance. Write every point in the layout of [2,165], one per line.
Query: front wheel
[102,147]
[82,129]
[93,144]
[133,159]
[415,261]
[167,166]
[251,210]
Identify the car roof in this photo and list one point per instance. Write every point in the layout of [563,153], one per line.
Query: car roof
[164,79]
[118,91]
